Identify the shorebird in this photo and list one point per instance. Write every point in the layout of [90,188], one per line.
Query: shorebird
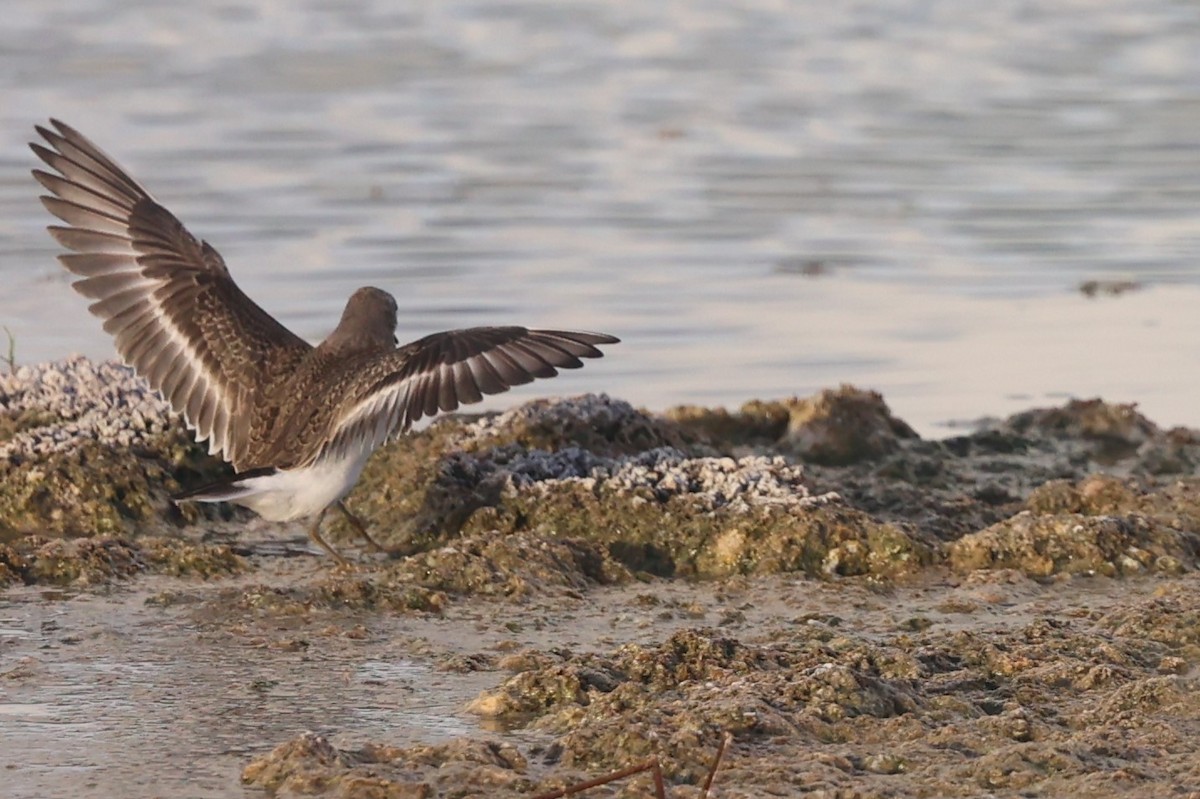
[297,422]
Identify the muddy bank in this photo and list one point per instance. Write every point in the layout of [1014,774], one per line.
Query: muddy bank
[868,613]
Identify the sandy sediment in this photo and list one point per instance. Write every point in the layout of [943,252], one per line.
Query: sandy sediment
[1012,611]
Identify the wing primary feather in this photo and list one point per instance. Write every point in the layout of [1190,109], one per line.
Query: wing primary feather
[131,321]
[465,384]
[85,217]
[569,343]
[90,264]
[74,145]
[101,286]
[78,173]
[117,302]
[534,361]
[553,354]
[502,361]
[446,388]
[490,379]
[90,241]
[70,190]
[149,343]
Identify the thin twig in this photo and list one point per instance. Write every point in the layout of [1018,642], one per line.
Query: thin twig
[726,739]
[11,360]
[579,787]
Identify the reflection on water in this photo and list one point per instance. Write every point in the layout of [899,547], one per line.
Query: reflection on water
[652,170]
[125,698]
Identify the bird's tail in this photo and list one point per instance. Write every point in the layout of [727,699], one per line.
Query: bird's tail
[231,489]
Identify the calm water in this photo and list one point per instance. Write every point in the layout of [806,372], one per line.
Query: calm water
[667,172]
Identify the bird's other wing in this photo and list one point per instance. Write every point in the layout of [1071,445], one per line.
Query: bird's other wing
[445,370]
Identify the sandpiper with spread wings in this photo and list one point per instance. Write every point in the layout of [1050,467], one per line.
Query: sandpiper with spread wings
[297,422]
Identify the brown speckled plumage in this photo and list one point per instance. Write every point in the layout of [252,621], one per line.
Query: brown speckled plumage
[261,396]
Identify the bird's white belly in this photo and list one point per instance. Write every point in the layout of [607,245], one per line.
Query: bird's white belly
[297,493]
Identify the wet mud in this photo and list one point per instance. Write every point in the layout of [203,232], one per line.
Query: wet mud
[575,585]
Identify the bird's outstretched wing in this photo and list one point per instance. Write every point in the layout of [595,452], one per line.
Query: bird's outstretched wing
[445,370]
[166,297]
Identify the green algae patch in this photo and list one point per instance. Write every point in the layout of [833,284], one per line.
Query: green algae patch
[100,560]
[1171,619]
[1095,495]
[834,427]
[1092,419]
[310,765]
[179,558]
[842,426]
[28,419]
[386,592]
[677,698]
[1072,543]
[681,537]
[517,565]
[755,426]
[93,489]
[339,590]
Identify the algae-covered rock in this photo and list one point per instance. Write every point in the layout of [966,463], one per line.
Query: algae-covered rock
[833,427]
[87,448]
[666,514]
[1116,430]
[310,765]
[514,565]
[843,426]
[676,699]
[338,589]
[306,764]
[421,490]
[1072,543]
[659,511]
[1170,618]
[103,559]
[756,425]
[16,422]
[96,489]
[614,475]
[1096,495]
[692,658]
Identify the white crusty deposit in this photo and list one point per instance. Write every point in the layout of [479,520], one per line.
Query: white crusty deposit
[736,484]
[83,401]
[663,472]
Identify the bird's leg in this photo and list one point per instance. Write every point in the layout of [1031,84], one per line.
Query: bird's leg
[360,527]
[315,534]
